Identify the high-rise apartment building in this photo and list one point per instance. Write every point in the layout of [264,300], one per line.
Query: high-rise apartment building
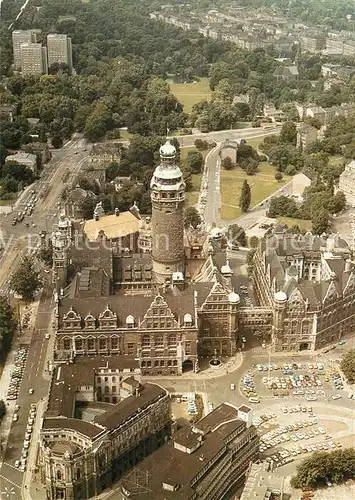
[18,38]
[59,50]
[33,59]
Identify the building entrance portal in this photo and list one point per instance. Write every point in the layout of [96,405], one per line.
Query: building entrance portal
[187,366]
[304,346]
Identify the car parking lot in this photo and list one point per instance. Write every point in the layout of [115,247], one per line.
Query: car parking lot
[17,373]
[283,441]
[311,381]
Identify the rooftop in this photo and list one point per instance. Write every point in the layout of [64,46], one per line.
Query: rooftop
[177,469]
[112,226]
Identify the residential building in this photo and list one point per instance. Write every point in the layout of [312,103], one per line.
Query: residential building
[313,44]
[316,112]
[99,421]
[275,114]
[27,159]
[18,38]
[7,112]
[286,73]
[229,148]
[59,49]
[347,183]
[201,461]
[306,135]
[33,59]
[349,48]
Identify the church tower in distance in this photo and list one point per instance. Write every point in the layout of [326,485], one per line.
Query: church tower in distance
[168,196]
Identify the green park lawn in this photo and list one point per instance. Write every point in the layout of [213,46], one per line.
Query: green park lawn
[303,224]
[191,93]
[262,185]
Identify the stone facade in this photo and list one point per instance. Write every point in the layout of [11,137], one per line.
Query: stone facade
[308,283]
[347,183]
[168,196]
[205,461]
[78,459]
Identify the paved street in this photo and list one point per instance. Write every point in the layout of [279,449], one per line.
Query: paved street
[16,240]
[32,379]
[222,135]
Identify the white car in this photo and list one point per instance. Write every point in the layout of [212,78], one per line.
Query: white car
[15,417]
[336,396]
[232,387]
[17,463]
[31,391]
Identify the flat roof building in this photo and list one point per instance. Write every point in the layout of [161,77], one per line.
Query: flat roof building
[18,38]
[59,49]
[33,59]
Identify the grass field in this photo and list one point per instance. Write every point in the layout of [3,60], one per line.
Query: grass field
[255,141]
[191,93]
[303,224]
[262,185]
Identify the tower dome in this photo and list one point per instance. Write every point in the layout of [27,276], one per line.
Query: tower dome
[167,150]
[234,298]
[280,296]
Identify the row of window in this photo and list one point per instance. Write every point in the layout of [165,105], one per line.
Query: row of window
[159,362]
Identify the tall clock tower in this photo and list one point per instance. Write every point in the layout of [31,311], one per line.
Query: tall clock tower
[168,196]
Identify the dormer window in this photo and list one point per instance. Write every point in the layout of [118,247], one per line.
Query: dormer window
[187,320]
[108,319]
[130,321]
[90,321]
[71,319]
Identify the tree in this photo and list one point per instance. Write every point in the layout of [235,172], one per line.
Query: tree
[236,235]
[57,141]
[320,222]
[194,161]
[250,259]
[201,144]
[253,242]
[2,409]
[282,205]
[26,280]
[348,365]
[338,203]
[288,133]
[227,163]
[192,217]
[7,323]
[278,176]
[322,467]
[245,197]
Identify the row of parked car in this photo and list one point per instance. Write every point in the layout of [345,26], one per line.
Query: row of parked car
[17,372]
[22,462]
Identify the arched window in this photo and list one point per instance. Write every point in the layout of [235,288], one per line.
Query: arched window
[59,475]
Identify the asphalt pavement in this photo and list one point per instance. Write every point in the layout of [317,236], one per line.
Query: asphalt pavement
[32,379]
